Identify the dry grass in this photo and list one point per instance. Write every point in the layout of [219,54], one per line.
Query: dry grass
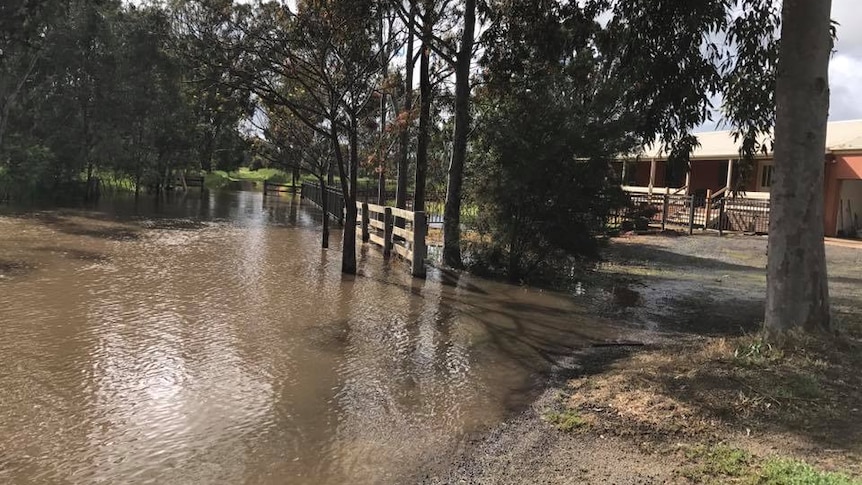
[710,390]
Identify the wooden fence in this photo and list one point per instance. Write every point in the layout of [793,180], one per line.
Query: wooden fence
[378,227]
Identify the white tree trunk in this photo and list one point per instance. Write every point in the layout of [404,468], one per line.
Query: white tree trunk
[797,295]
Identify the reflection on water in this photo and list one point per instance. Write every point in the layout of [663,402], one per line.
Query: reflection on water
[208,339]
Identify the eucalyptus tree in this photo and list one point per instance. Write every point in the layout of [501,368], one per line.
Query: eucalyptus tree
[291,144]
[218,103]
[24,25]
[328,53]
[797,291]
[767,81]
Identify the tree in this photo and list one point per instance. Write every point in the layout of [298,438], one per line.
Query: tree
[452,209]
[797,293]
[540,170]
[328,54]
[288,143]
[406,114]
[459,58]
[218,102]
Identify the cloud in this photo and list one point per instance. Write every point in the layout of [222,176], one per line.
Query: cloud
[845,69]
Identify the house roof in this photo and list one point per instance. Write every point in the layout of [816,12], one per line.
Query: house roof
[719,145]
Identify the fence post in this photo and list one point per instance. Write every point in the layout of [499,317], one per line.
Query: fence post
[387,231]
[707,208]
[419,228]
[691,216]
[365,234]
[664,210]
[721,217]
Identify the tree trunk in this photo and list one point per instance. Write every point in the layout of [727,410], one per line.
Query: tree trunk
[796,288]
[324,202]
[424,112]
[404,160]
[452,211]
[348,256]
[381,176]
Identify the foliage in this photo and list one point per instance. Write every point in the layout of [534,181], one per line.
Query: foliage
[104,93]
[539,173]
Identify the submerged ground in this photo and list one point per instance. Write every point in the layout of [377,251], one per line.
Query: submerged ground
[206,338]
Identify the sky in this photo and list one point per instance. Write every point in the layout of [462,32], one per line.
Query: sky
[845,70]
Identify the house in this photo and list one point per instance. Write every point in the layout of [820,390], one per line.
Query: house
[711,172]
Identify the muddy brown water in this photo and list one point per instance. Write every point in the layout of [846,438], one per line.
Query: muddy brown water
[210,340]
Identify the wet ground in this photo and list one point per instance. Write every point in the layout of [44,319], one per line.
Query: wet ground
[675,289]
[210,340]
[710,285]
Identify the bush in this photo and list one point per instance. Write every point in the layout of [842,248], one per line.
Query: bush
[541,188]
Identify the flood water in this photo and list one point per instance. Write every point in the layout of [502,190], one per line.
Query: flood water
[209,339]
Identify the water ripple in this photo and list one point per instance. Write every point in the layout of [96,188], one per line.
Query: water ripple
[210,340]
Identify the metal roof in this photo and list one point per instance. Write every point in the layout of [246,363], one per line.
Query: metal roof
[720,145]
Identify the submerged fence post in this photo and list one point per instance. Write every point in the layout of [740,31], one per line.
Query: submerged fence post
[721,217]
[691,216]
[417,267]
[365,221]
[387,231]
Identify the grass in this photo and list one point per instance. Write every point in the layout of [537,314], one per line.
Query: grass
[716,462]
[565,420]
[216,179]
[259,175]
[784,471]
[219,178]
[726,464]
[706,390]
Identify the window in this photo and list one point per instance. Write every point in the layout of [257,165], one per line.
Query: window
[766,176]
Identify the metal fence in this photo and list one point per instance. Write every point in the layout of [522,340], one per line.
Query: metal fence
[334,203]
[744,215]
[737,214]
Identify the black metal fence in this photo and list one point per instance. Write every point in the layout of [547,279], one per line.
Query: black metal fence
[745,215]
[334,203]
[737,214]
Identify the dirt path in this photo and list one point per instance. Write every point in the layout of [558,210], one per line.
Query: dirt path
[701,402]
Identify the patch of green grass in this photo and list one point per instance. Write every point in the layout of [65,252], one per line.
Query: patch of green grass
[259,175]
[757,352]
[716,462]
[784,471]
[565,420]
[724,464]
[216,179]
